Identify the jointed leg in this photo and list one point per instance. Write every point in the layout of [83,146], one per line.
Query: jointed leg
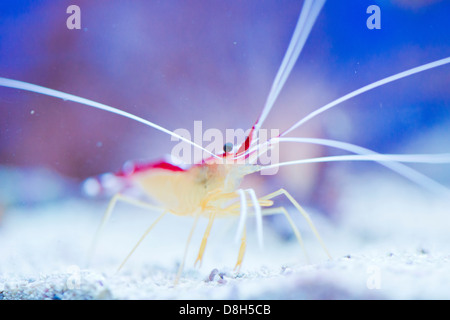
[205,238]
[291,223]
[217,194]
[257,211]
[107,215]
[241,251]
[180,269]
[302,212]
[242,206]
[142,238]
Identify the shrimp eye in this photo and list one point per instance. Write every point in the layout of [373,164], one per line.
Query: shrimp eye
[228,147]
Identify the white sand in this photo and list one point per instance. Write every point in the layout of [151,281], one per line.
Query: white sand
[390,241]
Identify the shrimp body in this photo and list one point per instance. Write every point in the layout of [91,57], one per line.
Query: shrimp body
[209,189]
[204,188]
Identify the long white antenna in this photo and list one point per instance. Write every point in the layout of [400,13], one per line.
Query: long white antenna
[386,158]
[306,20]
[16,84]
[392,162]
[371,86]
[411,158]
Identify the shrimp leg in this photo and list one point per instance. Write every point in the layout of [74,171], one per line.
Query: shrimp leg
[205,239]
[283,210]
[107,215]
[180,268]
[214,195]
[230,209]
[241,251]
[302,212]
[140,240]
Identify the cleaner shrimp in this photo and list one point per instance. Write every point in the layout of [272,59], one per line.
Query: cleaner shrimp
[211,188]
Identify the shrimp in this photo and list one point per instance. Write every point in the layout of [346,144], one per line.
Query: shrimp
[211,189]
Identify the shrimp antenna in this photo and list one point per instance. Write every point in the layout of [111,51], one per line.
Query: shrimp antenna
[392,162]
[16,84]
[366,88]
[306,20]
[357,92]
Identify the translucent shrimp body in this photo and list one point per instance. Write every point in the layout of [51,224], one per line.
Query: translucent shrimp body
[199,190]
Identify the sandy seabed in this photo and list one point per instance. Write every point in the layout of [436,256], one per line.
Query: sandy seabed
[391,240]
